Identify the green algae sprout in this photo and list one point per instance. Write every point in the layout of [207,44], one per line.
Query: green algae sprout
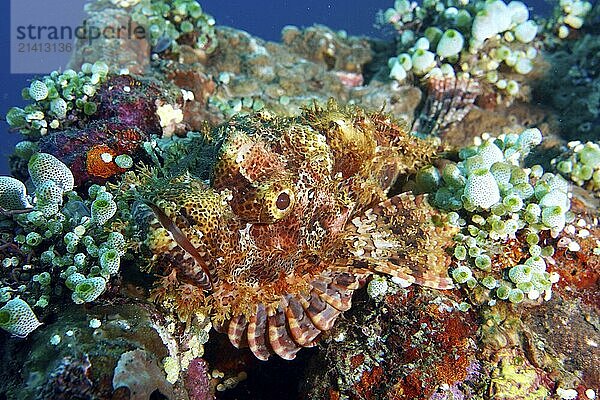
[55,97]
[493,199]
[176,22]
[490,41]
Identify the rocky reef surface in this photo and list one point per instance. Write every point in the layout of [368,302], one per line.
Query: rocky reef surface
[204,214]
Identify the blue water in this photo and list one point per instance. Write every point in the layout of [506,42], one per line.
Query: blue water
[263,18]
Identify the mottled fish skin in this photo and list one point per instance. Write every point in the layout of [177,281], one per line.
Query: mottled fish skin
[295,219]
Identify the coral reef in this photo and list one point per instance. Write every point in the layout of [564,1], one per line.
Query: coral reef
[501,50]
[132,102]
[57,244]
[95,353]
[92,152]
[496,201]
[197,380]
[124,52]
[205,190]
[491,42]
[172,24]
[569,17]
[580,164]
[127,112]
[420,344]
[268,75]
[137,371]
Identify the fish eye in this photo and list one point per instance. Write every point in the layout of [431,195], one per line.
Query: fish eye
[283,201]
[274,202]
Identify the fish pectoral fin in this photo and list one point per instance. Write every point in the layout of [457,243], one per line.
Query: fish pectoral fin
[296,320]
[204,277]
[404,237]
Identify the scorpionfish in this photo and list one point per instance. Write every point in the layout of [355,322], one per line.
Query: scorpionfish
[295,218]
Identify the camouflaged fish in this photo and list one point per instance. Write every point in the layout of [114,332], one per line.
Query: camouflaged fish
[295,219]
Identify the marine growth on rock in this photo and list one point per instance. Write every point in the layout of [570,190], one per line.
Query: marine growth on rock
[418,221]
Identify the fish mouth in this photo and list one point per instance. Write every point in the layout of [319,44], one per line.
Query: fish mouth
[206,279]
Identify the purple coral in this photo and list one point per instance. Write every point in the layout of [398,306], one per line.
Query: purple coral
[131,101]
[197,381]
[75,148]
[69,380]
